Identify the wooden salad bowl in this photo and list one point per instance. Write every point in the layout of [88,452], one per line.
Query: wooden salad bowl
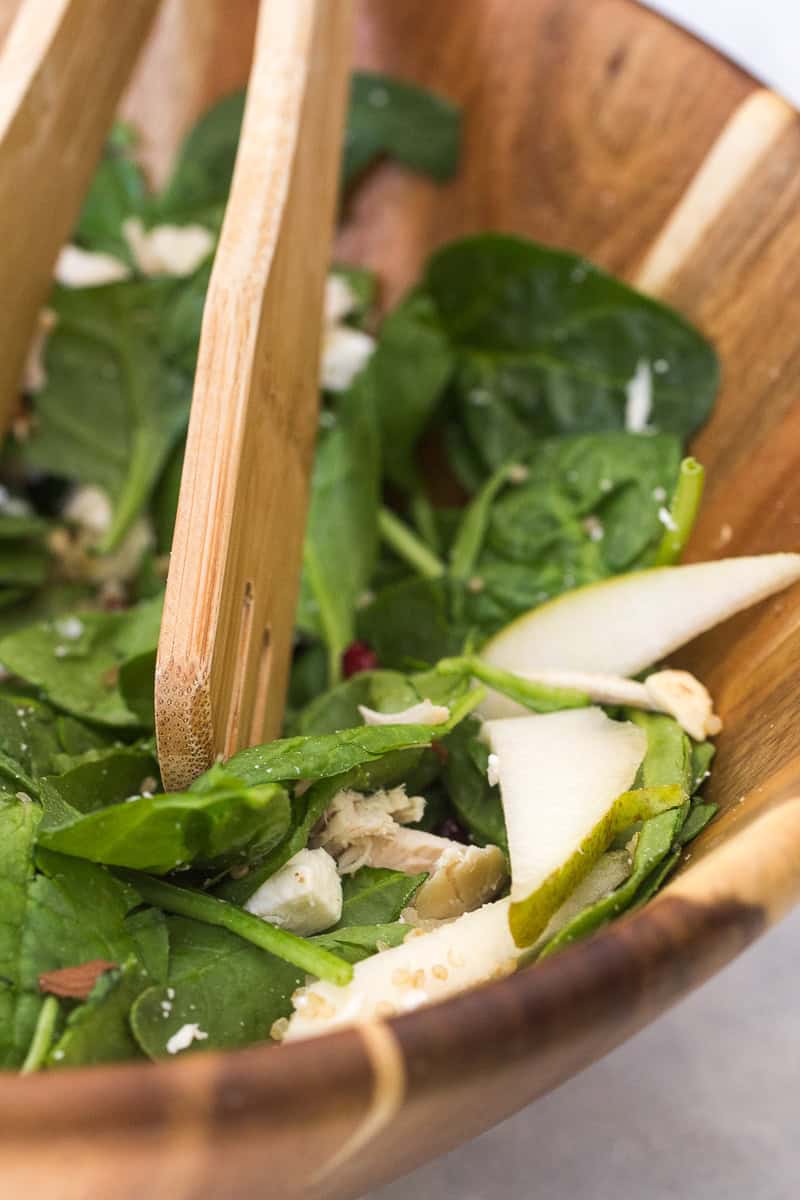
[594,125]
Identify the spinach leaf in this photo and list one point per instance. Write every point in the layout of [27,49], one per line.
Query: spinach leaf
[476,804]
[18,1011]
[406,377]
[409,624]
[118,190]
[328,754]
[233,991]
[669,752]
[80,675]
[654,844]
[337,708]
[98,1030]
[376,896]
[341,541]
[163,832]
[357,942]
[29,735]
[547,343]
[100,778]
[416,127]
[589,508]
[201,177]
[695,823]
[211,910]
[702,757]
[116,400]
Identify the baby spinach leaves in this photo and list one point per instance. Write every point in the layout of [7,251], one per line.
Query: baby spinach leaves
[376,896]
[414,126]
[547,343]
[79,674]
[163,832]
[117,393]
[232,991]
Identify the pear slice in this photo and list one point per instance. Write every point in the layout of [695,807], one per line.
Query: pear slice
[622,625]
[427,967]
[563,783]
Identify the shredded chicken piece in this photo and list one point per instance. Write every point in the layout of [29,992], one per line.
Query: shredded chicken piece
[687,700]
[367,831]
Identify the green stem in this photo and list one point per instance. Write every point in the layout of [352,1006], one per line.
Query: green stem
[682,513]
[424,517]
[538,697]
[408,546]
[472,531]
[288,946]
[42,1036]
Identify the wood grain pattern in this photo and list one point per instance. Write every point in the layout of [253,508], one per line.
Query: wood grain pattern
[61,78]
[234,572]
[568,102]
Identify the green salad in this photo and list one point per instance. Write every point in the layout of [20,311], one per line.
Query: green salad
[485,756]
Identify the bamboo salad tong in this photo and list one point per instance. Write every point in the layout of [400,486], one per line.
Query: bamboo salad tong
[225,643]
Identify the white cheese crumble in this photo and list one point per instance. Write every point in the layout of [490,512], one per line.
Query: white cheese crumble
[493,770]
[168,249]
[666,519]
[78,268]
[345,352]
[639,399]
[304,896]
[184,1037]
[340,299]
[424,713]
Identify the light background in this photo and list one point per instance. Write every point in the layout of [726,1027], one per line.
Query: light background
[705,1104]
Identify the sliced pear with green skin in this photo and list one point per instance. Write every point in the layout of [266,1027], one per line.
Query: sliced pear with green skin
[426,968]
[564,780]
[622,625]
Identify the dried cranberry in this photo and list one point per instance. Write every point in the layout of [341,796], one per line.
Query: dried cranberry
[451,829]
[441,751]
[358,657]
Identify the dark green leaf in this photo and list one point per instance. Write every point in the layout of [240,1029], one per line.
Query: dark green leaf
[476,804]
[342,533]
[98,1031]
[357,942]
[416,127]
[376,896]
[201,177]
[159,833]
[116,401]
[547,343]
[233,991]
[696,821]
[80,674]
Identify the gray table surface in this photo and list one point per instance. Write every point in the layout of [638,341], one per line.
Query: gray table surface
[702,1105]
[705,1104]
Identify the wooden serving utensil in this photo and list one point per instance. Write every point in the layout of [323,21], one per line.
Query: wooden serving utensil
[225,643]
[63,68]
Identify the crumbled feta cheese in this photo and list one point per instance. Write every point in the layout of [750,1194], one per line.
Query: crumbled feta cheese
[168,249]
[518,473]
[493,770]
[666,519]
[184,1037]
[660,494]
[34,376]
[424,713]
[304,896]
[90,508]
[594,527]
[77,268]
[340,299]
[345,352]
[639,399]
